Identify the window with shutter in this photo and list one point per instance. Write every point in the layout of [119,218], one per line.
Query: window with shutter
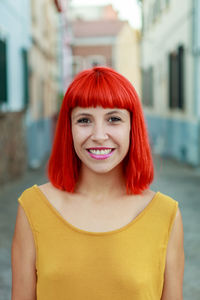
[176,78]
[173,80]
[181,77]
[25,77]
[3,72]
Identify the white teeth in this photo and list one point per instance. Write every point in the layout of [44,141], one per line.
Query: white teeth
[100,152]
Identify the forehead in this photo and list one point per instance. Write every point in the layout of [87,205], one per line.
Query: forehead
[98,110]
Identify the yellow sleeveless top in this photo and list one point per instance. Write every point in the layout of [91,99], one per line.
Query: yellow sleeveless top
[73,264]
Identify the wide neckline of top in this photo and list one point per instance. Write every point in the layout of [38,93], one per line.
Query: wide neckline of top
[97,233]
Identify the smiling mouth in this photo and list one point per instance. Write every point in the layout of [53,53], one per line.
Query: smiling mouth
[103,151]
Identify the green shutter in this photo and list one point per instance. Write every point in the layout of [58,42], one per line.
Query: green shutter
[3,72]
[173,80]
[181,77]
[25,77]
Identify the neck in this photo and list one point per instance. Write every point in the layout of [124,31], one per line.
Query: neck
[100,186]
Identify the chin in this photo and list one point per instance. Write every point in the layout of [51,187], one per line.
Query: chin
[102,170]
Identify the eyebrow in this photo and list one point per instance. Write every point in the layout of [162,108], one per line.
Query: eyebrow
[109,113]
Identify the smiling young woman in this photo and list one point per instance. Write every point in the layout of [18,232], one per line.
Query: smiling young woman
[95,230]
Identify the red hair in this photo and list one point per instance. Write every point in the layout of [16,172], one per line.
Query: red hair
[101,86]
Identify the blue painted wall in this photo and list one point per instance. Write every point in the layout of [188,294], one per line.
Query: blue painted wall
[175,138]
[39,137]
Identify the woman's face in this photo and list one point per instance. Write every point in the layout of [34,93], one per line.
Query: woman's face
[101,136]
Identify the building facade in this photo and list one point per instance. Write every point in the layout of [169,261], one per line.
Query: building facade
[94,43]
[99,37]
[169,93]
[127,55]
[15,42]
[43,80]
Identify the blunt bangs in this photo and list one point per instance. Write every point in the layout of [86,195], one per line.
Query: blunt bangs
[97,87]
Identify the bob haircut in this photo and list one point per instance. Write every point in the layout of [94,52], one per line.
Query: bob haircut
[101,86]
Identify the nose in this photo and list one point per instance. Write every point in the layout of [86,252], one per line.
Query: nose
[99,133]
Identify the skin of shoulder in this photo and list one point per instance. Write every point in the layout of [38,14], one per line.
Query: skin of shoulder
[23,257]
[174,269]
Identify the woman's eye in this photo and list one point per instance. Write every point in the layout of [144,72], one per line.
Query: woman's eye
[87,121]
[83,120]
[114,119]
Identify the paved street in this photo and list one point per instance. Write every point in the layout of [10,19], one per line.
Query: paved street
[179,181]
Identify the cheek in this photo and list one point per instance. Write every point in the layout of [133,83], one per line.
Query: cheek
[123,136]
[79,135]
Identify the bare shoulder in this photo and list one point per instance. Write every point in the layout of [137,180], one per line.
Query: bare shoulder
[49,190]
[23,236]
[23,258]
[147,196]
[46,186]
[54,195]
[141,201]
[149,193]
[174,269]
[177,235]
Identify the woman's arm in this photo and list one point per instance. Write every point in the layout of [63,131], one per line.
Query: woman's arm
[23,260]
[174,269]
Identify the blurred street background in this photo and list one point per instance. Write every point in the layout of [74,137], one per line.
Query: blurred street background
[154,43]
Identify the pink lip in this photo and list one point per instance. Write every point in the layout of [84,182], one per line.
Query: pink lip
[100,148]
[100,157]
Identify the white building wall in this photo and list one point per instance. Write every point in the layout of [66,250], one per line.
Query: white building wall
[169,30]
[173,131]
[15,28]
